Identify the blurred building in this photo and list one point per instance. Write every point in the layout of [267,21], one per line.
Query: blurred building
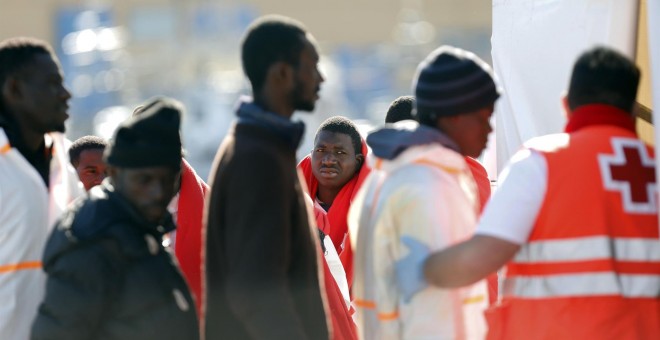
[116,54]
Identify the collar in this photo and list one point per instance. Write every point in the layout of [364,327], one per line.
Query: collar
[393,139]
[12,139]
[158,229]
[599,114]
[252,114]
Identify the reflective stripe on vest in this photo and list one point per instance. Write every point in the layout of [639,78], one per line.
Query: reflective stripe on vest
[590,248]
[585,266]
[588,284]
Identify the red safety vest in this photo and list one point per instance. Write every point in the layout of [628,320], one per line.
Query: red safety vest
[591,266]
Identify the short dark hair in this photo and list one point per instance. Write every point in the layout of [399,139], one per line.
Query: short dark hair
[85,143]
[603,76]
[340,124]
[16,53]
[270,39]
[400,109]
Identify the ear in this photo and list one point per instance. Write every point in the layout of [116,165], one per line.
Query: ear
[446,123]
[11,89]
[567,109]
[360,160]
[281,73]
[177,181]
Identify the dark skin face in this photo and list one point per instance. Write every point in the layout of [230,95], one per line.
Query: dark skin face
[307,80]
[90,168]
[334,163]
[148,190]
[37,99]
[292,87]
[470,130]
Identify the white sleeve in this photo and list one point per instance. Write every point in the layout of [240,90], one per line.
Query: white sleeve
[512,211]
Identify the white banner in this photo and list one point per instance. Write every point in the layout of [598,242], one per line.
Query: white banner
[535,43]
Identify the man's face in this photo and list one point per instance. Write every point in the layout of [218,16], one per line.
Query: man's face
[470,131]
[91,168]
[308,79]
[42,102]
[149,190]
[334,161]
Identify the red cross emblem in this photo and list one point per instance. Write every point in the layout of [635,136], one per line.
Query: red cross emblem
[631,171]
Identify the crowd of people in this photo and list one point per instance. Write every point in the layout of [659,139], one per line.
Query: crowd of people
[393,235]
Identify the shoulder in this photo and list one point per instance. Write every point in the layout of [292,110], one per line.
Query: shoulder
[256,157]
[247,147]
[88,216]
[96,217]
[549,143]
[94,229]
[90,260]
[528,165]
[430,157]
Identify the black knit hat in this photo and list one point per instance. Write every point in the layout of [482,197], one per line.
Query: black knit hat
[149,139]
[452,81]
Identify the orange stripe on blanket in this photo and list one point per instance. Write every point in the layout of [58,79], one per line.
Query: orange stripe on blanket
[365,304]
[20,266]
[473,299]
[388,316]
[5,148]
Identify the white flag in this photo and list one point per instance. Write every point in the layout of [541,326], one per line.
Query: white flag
[535,43]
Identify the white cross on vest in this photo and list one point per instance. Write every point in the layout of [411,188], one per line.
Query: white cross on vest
[631,171]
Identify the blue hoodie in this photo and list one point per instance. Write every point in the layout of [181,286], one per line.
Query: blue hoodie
[391,140]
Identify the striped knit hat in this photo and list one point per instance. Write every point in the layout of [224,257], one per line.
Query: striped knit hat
[452,81]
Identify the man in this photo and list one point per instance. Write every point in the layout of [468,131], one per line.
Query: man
[334,171]
[576,219]
[402,109]
[86,156]
[262,268]
[420,187]
[37,181]
[187,209]
[109,276]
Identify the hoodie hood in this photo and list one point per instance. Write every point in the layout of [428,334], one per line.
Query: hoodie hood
[391,140]
[250,113]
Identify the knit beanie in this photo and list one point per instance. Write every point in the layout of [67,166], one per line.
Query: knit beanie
[149,139]
[452,81]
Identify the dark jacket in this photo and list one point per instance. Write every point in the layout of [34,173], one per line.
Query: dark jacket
[109,276]
[262,270]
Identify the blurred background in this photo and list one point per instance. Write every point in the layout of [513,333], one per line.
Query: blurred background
[117,54]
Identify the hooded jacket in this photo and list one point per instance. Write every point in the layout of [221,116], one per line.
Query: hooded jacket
[420,187]
[109,276]
[262,265]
